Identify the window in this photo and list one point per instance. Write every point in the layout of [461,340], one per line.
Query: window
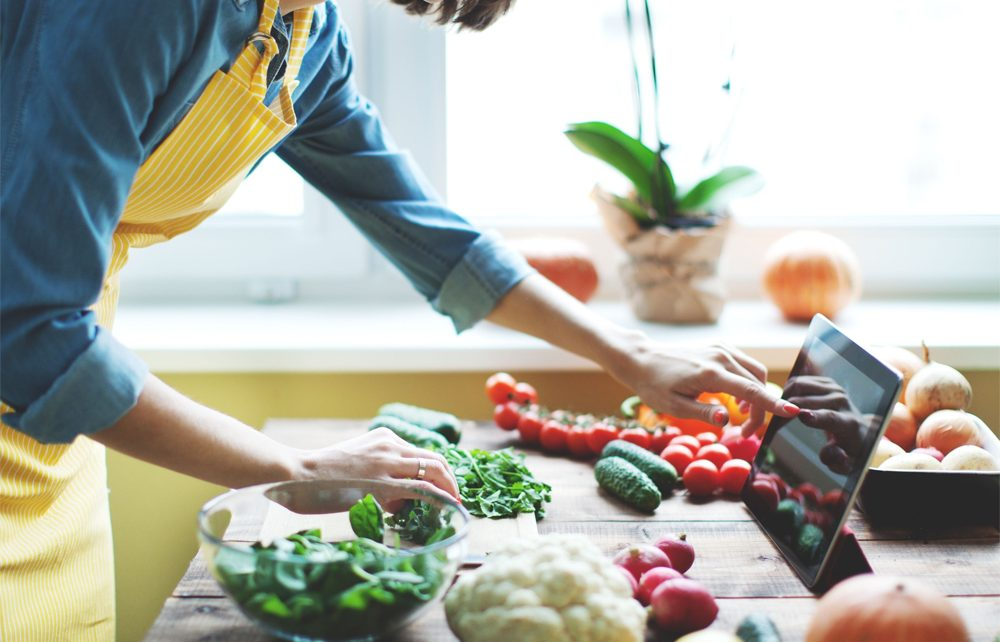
[876,122]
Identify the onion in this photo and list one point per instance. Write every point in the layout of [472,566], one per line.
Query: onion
[946,430]
[937,387]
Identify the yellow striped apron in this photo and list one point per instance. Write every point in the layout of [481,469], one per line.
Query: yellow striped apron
[56,563]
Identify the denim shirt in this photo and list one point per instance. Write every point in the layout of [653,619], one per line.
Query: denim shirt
[87,92]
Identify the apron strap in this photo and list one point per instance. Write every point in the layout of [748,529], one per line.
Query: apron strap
[250,69]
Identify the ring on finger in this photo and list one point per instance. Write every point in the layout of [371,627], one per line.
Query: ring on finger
[421,469]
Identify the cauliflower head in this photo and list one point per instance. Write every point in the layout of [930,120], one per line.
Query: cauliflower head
[556,588]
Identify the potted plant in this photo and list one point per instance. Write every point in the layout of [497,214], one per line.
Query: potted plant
[672,234]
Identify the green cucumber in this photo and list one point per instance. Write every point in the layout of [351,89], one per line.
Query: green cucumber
[757,627]
[628,483]
[663,474]
[445,424]
[414,434]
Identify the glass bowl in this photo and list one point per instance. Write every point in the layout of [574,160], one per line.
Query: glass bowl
[290,557]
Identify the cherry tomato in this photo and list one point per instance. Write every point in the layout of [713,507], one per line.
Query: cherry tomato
[706,438]
[659,440]
[506,415]
[598,436]
[810,492]
[576,442]
[715,453]
[671,432]
[638,436]
[554,437]
[745,448]
[701,477]
[733,475]
[678,456]
[688,441]
[765,493]
[500,387]
[529,426]
[833,501]
[524,393]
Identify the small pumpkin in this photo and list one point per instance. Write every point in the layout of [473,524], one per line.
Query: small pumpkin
[808,272]
[877,608]
[566,262]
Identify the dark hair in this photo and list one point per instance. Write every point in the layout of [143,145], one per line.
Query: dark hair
[467,14]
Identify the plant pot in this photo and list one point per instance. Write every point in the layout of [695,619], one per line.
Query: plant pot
[670,276]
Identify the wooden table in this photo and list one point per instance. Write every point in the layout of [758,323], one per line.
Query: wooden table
[735,560]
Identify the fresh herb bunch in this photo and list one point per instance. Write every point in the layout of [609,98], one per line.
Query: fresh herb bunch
[497,483]
[307,587]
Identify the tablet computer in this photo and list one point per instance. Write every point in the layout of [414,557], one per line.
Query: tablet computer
[805,477]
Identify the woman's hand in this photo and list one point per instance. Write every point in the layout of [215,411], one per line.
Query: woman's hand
[670,379]
[381,454]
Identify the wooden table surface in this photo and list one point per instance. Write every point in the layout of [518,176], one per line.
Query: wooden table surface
[735,560]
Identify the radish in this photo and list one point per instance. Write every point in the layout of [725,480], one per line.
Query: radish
[682,605]
[653,578]
[639,558]
[678,549]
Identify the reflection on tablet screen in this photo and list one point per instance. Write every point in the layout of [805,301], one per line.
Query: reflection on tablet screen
[809,466]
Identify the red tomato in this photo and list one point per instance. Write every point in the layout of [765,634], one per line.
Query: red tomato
[701,477]
[715,453]
[524,393]
[598,436]
[810,492]
[745,448]
[834,501]
[733,475]
[506,415]
[689,441]
[706,438]
[638,436]
[576,442]
[671,432]
[765,492]
[554,437]
[660,439]
[500,387]
[678,456]
[529,426]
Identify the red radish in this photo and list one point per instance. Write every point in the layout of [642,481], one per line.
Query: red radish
[653,578]
[746,449]
[632,582]
[682,605]
[639,558]
[930,450]
[678,549]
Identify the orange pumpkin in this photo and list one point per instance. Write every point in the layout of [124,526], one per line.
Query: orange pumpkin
[566,262]
[806,272]
[876,608]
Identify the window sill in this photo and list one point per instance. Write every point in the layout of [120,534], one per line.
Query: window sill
[364,337]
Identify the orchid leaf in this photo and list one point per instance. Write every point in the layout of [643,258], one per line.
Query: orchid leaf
[720,188]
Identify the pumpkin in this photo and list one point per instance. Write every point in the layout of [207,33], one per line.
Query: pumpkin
[877,608]
[946,430]
[566,262]
[808,272]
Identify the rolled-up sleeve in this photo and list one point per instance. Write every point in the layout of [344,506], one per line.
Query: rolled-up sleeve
[78,86]
[342,148]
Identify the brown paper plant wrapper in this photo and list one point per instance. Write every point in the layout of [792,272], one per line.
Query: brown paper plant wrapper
[670,276]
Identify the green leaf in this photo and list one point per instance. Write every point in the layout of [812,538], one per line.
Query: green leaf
[366,519]
[629,156]
[720,188]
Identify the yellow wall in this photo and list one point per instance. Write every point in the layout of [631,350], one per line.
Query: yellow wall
[153,510]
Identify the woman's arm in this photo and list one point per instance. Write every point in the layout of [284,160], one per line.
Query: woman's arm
[168,429]
[668,378]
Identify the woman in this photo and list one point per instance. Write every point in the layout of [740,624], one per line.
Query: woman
[128,122]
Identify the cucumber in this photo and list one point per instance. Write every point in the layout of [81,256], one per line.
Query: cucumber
[414,434]
[660,471]
[628,483]
[757,627]
[445,424]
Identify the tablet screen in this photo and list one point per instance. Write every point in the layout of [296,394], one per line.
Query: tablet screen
[808,469]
